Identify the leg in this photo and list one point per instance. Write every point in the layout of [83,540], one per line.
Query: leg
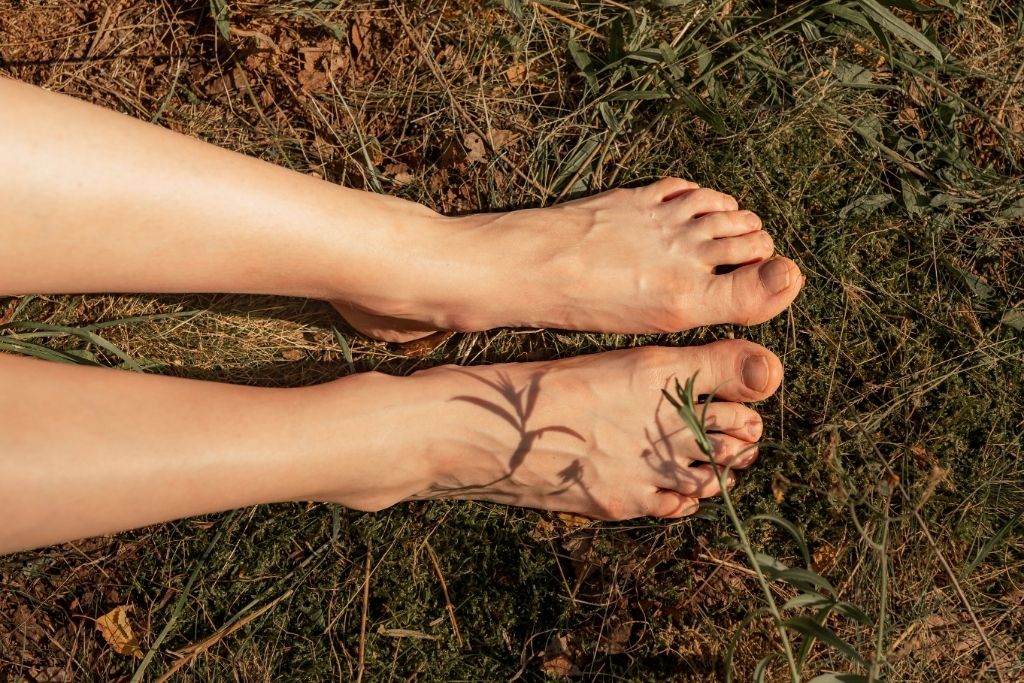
[590,435]
[96,202]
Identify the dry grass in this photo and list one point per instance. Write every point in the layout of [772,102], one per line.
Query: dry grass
[904,356]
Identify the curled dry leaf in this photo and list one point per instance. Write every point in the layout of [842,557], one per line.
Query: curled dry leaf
[116,630]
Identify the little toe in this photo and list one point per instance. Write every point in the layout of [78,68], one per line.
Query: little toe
[728,223]
[749,248]
[758,292]
[669,504]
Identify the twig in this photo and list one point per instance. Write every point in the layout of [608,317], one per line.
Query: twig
[444,589]
[569,22]
[366,607]
[192,651]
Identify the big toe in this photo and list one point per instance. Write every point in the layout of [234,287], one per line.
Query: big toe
[755,293]
[738,370]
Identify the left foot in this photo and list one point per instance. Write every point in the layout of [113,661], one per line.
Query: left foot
[591,435]
[662,258]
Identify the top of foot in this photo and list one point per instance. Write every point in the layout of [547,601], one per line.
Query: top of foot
[665,257]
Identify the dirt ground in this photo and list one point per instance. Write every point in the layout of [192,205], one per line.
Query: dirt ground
[894,181]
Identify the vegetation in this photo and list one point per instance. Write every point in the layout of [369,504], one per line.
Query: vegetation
[881,142]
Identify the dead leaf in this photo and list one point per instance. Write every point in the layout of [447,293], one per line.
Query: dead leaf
[501,138]
[779,487]
[116,630]
[617,640]
[557,660]
[421,348]
[516,74]
[921,456]
[399,172]
[475,148]
[543,530]
[572,521]
[824,557]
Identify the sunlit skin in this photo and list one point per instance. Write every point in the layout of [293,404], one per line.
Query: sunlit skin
[93,201]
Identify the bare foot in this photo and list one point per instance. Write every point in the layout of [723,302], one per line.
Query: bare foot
[661,258]
[591,435]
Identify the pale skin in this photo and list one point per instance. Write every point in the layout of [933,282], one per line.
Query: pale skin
[92,201]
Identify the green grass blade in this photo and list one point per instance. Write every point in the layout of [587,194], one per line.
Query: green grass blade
[900,28]
[990,545]
[812,629]
[797,535]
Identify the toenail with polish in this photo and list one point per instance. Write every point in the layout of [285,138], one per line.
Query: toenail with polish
[775,275]
[756,373]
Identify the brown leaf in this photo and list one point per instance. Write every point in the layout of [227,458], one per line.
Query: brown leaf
[501,138]
[922,456]
[475,148]
[421,348]
[399,172]
[558,661]
[572,521]
[824,557]
[516,74]
[116,630]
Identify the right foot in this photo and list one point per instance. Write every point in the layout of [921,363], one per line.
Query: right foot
[665,257]
[591,435]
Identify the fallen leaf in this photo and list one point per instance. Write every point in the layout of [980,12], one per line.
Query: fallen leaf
[421,348]
[116,630]
[501,138]
[922,456]
[557,659]
[572,521]
[475,148]
[516,74]
[399,172]
[824,557]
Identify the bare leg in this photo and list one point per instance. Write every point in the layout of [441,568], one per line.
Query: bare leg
[590,435]
[93,201]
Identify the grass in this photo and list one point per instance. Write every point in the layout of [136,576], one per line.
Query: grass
[881,143]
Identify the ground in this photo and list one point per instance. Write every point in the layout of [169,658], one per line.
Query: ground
[881,146]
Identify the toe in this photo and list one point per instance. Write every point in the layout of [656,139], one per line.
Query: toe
[702,482]
[737,370]
[699,202]
[736,453]
[667,189]
[758,292]
[728,223]
[750,248]
[734,419]
[670,504]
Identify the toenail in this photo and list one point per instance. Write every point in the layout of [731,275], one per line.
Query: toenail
[756,373]
[775,275]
